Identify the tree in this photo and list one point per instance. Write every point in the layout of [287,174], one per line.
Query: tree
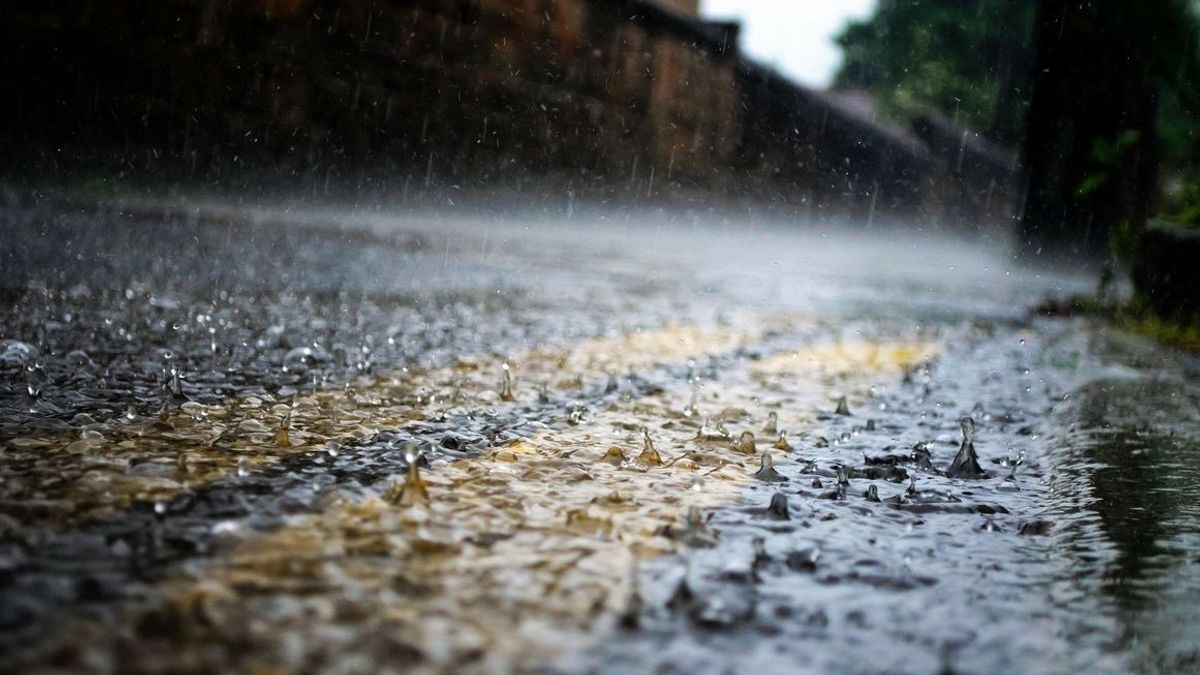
[969,59]
[1091,149]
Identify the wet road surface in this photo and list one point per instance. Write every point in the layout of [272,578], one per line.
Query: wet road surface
[352,441]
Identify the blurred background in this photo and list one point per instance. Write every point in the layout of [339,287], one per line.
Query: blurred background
[1062,122]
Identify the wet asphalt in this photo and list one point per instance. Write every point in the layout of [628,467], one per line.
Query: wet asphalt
[1074,547]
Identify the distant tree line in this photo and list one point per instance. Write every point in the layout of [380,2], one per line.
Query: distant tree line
[1101,95]
[970,60]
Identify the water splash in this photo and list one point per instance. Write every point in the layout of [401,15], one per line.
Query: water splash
[614,456]
[843,482]
[782,443]
[778,508]
[696,532]
[649,456]
[966,462]
[282,440]
[772,426]
[413,491]
[746,444]
[506,384]
[766,471]
[843,407]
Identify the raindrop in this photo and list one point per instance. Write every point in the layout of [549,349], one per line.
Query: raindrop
[843,407]
[649,456]
[506,384]
[615,456]
[781,443]
[693,405]
[766,471]
[745,443]
[772,426]
[36,380]
[164,415]
[611,385]
[413,491]
[281,433]
[843,481]
[696,533]
[778,508]
[966,462]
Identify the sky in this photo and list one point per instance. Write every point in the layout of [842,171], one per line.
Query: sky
[794,36]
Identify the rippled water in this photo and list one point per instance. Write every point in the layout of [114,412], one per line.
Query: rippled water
[205,420]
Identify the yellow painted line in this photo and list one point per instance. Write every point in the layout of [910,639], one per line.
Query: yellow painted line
[520,556]
[102,468]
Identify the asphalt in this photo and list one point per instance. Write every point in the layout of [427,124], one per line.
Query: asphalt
[303,438]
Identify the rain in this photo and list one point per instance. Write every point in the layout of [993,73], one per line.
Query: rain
[599,336]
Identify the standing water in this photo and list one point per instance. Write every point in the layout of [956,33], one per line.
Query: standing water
[319,440]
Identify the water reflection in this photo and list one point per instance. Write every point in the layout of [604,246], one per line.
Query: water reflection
[1136,483]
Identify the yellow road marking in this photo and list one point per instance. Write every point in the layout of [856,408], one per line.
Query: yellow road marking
[106,467]
[522,555]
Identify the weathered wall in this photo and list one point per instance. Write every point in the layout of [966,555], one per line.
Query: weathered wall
[685,7]
[482,90]
[605,98]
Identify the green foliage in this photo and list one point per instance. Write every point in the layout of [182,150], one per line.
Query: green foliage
[1123,241]
[1180,334]
[1183,207]
[1173,29]
[1107,155]
[971,59]
[1129,315]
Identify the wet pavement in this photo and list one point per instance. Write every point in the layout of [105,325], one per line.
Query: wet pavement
[302,439]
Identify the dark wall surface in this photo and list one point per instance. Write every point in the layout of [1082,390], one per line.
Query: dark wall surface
[610,99]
